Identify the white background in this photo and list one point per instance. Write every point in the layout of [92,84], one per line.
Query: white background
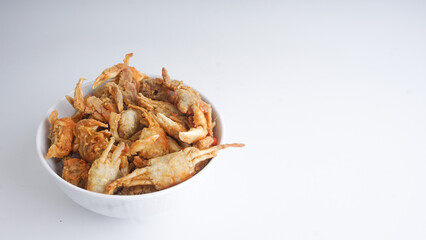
[328,96]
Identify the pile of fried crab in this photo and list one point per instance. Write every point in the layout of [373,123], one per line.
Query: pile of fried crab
[134,134]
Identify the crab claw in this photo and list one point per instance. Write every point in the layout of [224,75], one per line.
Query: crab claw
[168,170]
[193,134]
[105,169]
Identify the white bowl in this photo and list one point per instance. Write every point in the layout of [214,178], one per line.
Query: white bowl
[121,206]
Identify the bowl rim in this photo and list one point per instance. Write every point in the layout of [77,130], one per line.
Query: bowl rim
[116,197]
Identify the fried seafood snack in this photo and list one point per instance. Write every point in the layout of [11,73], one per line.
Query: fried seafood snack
[165,108]
[60,135]
[154,89]
[168,170]
[75,171]
[150,149]
[129,123]
[189,102]
[105,169]
[89,142]
[133,134]
[90,105]
[125,77]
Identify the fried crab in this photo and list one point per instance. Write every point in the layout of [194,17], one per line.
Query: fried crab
[75,171]
[133,134]
[168,170]
[60,135]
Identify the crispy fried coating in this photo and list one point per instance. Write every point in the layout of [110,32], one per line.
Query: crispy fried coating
[139,162]
[133,134]
[129,123]
[123,75]
[89,142]
[189,102]
[154,89]
[105,169]
[76,171]
[90,105]
[135,190]
[205,142]
[60,135]
[153,141]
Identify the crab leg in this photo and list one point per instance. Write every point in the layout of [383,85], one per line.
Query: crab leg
[173,85]
[78,96]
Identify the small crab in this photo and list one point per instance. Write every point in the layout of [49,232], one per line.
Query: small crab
[89,105]
[158,147]
[89,142]
[190,103]
[111,96]
[168,170]
[127,79]
[167,109]
[60,135]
